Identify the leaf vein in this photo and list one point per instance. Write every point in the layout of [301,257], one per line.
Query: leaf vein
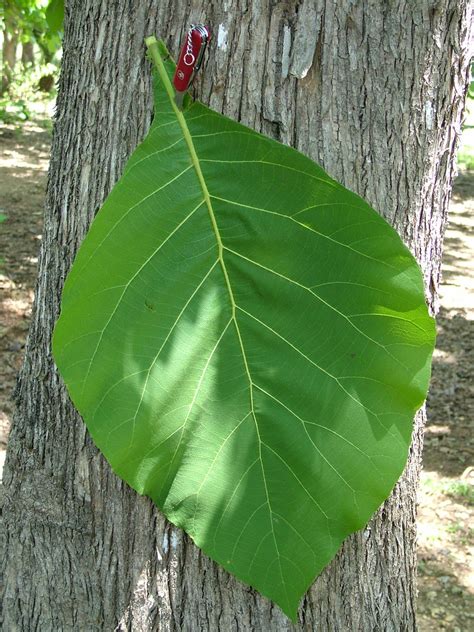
[272,164]
[319,298]
[128,284]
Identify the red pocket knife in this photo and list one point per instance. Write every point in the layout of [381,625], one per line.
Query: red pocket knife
[190,59]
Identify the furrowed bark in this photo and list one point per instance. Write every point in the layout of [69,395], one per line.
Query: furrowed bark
[373,91]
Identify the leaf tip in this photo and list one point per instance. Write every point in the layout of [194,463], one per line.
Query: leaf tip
[291,611]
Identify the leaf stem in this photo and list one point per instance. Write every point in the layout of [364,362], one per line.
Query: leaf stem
[153,47]
[154,51]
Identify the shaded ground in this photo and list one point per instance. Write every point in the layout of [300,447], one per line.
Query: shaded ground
[24,157]
[446,510]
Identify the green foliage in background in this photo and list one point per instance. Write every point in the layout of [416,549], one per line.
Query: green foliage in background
[30,46]
[55,15]
[247,342]
[461,490]
[29,19]
[24,100]
[13,111]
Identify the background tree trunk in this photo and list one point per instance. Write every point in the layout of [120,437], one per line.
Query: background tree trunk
[374,91]
[9,46]
[27,53]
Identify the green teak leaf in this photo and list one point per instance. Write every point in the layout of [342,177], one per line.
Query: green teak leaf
[247,342]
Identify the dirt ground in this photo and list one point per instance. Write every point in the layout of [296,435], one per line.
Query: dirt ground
[446,499]
[24,158]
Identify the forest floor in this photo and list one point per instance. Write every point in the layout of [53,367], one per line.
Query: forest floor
[446,499]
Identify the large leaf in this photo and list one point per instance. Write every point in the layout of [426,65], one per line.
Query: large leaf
[247,342]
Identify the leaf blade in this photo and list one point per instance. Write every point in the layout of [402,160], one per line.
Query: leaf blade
[216,361]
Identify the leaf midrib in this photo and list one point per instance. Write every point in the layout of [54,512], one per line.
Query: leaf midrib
[207,198]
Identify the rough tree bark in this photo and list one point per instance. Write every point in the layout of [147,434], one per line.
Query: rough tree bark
[372,90]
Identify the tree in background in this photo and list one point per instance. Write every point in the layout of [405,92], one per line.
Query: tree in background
[34,24]
[375,93]
[9,44]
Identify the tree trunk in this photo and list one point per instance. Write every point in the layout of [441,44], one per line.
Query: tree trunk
[374,91]
[9,46]
[27,53]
